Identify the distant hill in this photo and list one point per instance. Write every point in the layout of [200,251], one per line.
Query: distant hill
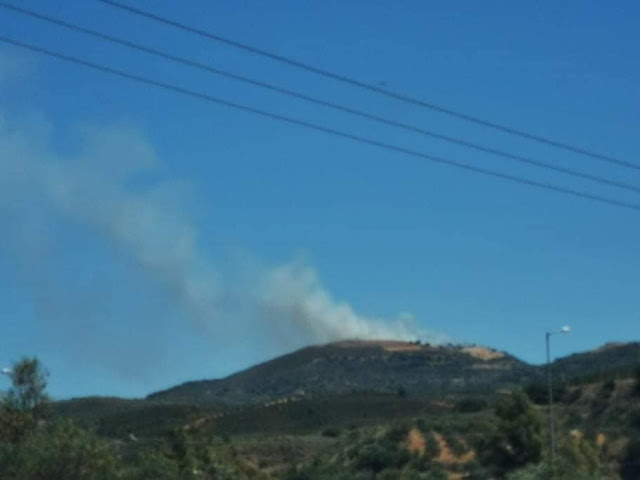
[611,360]
[387,366]
[361,366]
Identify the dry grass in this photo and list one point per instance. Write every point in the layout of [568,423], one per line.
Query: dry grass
[482,353]
[415,441]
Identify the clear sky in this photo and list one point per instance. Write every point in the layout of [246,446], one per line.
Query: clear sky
[149,238]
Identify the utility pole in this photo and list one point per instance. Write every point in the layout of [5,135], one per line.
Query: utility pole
[552,433]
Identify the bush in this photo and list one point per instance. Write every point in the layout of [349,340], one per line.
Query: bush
[432,445]
[470,405]
[561,470]
[331,432]
[397,433]
[607,389]
[629,464]
[375,458]
[538,393]
[634,419]
[517,440]
[60,450]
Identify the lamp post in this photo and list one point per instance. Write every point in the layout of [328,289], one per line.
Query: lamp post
[552,433]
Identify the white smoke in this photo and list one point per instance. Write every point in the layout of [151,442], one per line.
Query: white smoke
[110,183]
[94,189]
[294,293]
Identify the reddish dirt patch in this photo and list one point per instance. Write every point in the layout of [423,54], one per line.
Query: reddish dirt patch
[447,457]
[601,439]
[415,441]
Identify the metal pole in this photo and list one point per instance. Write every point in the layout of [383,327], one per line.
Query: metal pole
[552,435]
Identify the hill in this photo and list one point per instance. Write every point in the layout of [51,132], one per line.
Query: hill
[611,360]
[388,366]
[360,366]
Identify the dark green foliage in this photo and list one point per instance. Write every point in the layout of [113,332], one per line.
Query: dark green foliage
[572,395]
[397,433]
[455,444]
[331,432]
[339,369]
[431,445]
[313,414]
[538,392]
[153,465]
[471,405]
[357,435]
[28,384]
[610,361]
[630,462]
[516,440]
[60,450]
[560,470]
[117,418]
[634,419]
[25,403]
[375,457]
[608,388]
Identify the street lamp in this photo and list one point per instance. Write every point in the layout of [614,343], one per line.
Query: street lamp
[552,434]
[6,371]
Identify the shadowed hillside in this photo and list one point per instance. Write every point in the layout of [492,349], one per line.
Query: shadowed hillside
[352,366]
[387,366]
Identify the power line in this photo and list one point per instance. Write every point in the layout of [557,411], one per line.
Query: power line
[373,88]
[314,100]
[320,128]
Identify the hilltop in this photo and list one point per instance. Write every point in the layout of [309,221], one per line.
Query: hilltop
[388,366]
[357,366]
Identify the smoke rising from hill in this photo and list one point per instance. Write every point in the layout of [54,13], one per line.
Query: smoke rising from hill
[295,294]
[109,184]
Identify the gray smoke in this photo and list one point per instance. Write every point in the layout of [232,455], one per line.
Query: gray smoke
[109,182]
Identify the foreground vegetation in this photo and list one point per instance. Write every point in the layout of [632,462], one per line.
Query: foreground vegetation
[357,436]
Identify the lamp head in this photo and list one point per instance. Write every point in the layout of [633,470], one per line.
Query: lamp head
[565,329]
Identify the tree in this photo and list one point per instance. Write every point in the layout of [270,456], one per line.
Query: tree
[25,402]
[629,464]
[28,385]
[59,450]
[560,470]
[517,439]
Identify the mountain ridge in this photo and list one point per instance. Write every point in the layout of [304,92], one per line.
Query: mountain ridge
[387,366]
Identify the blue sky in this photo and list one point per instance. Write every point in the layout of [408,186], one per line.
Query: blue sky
[149,238]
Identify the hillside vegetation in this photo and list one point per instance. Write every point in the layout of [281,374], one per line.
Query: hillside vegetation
[346,367]
[351,410]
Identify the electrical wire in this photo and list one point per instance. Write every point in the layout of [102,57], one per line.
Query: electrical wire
[372,88]
[385,121]
[320,128]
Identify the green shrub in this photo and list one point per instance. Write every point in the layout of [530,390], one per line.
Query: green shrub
[331,432]
[629,463]
[470,405]
[397,433]
[432,446]
[60,450]
[607,388]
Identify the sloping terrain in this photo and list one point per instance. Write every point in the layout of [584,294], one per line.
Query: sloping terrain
[612,359]
[355,366]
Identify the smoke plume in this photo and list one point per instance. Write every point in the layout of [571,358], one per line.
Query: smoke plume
[108,182]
